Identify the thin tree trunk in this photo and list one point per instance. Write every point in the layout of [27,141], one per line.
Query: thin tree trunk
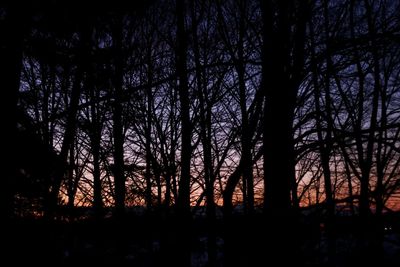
[230,186]
[169,161]
[95,141]
[149,96]
[379,95]
[157,176]
[183,201]
[119,176]
[325,143]
[71,168]
[248,183]
[350,188]
[205,124]
[232,182]
[167,195]
[364,177]
[69,134]
[97,188]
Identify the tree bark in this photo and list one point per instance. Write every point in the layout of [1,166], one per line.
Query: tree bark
[183,201]
[148,127]
[205,132]
[282,62]
[246,157]
[119,175]
[11,61]
[70,128]
[95,147]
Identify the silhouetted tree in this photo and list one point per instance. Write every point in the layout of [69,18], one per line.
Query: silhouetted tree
[283,64]
[118,132]
[12,27]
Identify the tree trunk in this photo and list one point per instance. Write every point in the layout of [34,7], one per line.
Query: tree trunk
[71,168]
[278,113]
[325,142]
[183,201]
[248,183]
[149,96]
[95,143]
[119,175]
[205,132]
[364,177]
[70,128]
[95,135]
[11,59]
[281,77]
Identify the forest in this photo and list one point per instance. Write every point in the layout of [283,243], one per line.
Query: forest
[201,132]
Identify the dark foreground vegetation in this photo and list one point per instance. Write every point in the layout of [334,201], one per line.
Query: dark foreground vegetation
[247,131]
[151,240]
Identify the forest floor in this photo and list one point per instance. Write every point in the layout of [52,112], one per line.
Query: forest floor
[147,241]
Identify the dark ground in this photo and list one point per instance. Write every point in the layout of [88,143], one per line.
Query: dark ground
[146,241]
